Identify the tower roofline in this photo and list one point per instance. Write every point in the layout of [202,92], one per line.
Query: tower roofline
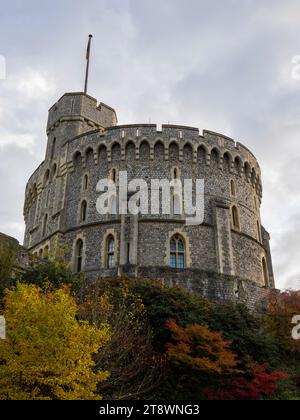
[82,94]
[72,94]
[106,106]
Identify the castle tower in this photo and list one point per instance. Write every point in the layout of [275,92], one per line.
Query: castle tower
[74,114]
[227,257]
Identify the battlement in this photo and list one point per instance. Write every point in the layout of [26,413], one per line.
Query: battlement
[167,134]
[76,107]
[80,107]
[181,135]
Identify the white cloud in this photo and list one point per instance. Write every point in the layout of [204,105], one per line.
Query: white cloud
[28,83]
[32,84]
[22,140]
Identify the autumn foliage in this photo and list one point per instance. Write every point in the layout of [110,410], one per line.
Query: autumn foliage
[119,338]
[252,385]
[135,367]
[199,349]
[48,353]
[280,309]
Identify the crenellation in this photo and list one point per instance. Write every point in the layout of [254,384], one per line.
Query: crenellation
[84,141]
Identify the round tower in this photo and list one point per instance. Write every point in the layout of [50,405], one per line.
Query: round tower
[227,257]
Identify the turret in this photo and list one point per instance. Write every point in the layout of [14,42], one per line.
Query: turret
[74,114]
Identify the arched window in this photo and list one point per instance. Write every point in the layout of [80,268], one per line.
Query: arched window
[110,252]
[89,157]
[145,151]
[265,272]
[215,158]
[247,170]
[177,252]
[83,211]
[227,160]
[235,218]
[85,182]
[77,160]
[232,188]
[78,256]
[45,224]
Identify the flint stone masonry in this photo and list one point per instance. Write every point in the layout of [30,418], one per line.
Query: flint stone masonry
[85,145]
[212,286]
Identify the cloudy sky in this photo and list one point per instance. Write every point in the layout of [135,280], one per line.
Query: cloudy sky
[223,65]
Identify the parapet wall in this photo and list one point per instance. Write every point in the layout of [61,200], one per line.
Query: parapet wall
[214,287]
[181,136]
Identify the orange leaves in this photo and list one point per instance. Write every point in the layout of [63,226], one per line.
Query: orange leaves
[203,356]
[199,349]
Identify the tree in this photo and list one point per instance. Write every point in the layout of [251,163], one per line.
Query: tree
[245,331]
[135,368]
[196,357]
[7,262]
[163,303]
[48,354]
[255,384]
[281,308]
[53,272]
[198,349]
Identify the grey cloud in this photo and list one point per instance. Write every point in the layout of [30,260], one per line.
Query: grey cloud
[223,66]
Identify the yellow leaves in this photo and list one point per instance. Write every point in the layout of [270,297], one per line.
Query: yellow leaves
[48,354]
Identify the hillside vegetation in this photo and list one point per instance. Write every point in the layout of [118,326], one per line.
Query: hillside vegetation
[119,338]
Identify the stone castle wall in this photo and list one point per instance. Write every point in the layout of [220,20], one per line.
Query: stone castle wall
[83,140]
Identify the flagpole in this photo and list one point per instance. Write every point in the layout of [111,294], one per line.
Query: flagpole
[87,64]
